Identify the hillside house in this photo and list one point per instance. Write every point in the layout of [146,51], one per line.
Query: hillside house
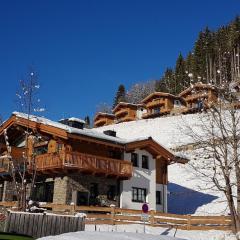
[103,119]
[160,103]
[125,112]
[84,166]
[199,96]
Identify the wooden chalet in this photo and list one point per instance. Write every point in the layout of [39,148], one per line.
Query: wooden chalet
[160,103]
[125,112]
[73,164]
[199,96]
[103,119]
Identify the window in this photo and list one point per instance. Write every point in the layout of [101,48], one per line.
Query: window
[158,197]
[134,159]
[111,194]
[145,162]
[139,194]
[177,102]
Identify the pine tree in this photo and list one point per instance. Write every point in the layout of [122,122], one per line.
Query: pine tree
[181,77]
[120,95]
[166,83]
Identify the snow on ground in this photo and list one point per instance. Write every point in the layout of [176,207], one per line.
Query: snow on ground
[186,192]
[135,232]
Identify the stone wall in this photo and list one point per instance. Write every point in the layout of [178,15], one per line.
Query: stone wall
[60,190]
[8,191]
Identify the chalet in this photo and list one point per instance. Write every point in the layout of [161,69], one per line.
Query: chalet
[160,103]
[125,112]
[199,96]
[103,119]
[83,166]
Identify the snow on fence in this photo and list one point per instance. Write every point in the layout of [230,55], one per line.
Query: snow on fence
[40,225]
[115,216]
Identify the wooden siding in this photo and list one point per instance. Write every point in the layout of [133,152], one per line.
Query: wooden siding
[103,121]
[161,172]
[126,113]
[158,105]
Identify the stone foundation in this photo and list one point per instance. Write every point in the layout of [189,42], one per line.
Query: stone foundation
[82,183]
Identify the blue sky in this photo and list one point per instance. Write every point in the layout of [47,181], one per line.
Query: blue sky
[83,49]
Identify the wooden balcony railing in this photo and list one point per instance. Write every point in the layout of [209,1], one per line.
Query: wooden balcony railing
[84,162]
[122,112]
[196,96]
[156,103]
[100,122]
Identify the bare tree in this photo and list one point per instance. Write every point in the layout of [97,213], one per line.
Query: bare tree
[139,91]
[216,159]
[23,170]
[104,107]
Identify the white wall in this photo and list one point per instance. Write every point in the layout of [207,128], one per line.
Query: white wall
[140,112]
[143,178]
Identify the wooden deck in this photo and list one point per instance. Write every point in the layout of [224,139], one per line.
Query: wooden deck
[91,164]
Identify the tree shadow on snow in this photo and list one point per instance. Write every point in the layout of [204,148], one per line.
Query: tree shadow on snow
[182,200]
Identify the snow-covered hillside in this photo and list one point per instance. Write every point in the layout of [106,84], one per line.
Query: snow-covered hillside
[186,194]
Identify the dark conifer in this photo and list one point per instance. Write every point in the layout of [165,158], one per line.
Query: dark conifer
[120,95]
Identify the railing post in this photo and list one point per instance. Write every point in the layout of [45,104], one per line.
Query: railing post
[112,206]
[188,222]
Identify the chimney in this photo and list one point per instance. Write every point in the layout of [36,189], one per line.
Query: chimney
[110,133]
[73,122]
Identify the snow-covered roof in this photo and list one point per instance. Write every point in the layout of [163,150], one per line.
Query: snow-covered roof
[159,94]
[104,114]
[94,133]
[197,85]
[75,119]
[86,132]
[126,104]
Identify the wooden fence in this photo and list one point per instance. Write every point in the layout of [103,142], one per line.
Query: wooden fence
[114,216]
[40,225]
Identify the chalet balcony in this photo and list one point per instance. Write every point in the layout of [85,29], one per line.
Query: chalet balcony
[121,113]
[126,119]
[90,164]
[196,96]
[156,103]
[100,122]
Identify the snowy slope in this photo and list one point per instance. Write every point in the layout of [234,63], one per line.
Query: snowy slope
[165,130]
[187,193]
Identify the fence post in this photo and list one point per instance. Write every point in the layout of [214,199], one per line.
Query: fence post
[112,206]
[72,209]
[7,222]
[152,212]
[188,222]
